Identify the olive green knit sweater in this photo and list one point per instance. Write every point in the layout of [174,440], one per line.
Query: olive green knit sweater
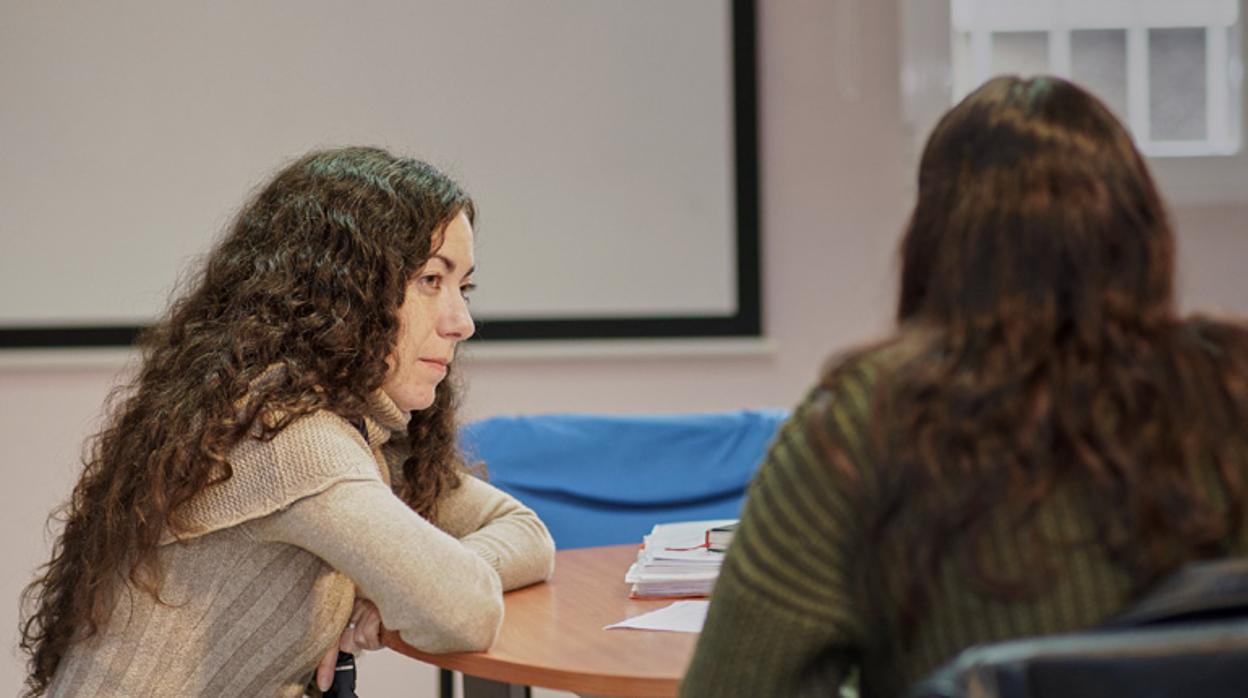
[783,620]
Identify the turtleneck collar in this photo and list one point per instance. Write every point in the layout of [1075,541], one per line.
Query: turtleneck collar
[384,418]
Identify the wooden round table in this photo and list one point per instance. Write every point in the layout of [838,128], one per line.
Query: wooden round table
[553,635]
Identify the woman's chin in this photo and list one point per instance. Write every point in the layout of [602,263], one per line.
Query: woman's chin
[414,400]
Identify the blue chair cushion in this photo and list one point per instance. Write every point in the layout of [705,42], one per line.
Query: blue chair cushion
[605,479]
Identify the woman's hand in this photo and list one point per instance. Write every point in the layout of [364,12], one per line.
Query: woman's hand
[363,632]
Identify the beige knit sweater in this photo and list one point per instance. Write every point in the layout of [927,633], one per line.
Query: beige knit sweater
[265,583]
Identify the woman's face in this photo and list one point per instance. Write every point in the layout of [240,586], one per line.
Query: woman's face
[433,319]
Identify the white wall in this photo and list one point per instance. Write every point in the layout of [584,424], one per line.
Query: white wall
[836,182]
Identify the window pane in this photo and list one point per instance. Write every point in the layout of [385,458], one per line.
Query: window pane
[1176,77]
[1020,53]
[1098,61]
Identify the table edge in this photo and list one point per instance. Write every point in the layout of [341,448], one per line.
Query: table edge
[508,671]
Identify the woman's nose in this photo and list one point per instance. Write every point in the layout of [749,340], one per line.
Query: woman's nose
[457,320]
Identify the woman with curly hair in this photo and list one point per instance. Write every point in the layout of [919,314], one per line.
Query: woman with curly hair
[281,476]
[1040,440]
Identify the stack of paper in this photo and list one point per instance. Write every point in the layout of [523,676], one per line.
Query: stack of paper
[674,561]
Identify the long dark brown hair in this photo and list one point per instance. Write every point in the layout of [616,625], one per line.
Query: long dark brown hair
[1038,347]
[294,311]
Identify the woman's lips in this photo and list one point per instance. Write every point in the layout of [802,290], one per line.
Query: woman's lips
[438,363]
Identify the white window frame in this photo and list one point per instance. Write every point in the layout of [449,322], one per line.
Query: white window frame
[980,19]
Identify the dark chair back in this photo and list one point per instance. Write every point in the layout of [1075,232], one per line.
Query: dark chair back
[1189,637]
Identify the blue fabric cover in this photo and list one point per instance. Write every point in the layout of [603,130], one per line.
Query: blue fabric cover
[603,480]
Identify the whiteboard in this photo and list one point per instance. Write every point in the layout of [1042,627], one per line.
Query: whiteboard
[609,146]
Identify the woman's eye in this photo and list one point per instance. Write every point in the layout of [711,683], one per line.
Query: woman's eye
[466,290]
[431,281]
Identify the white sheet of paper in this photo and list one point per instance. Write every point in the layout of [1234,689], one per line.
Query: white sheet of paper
[680,617]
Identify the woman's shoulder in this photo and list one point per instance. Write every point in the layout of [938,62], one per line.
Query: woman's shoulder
[863,368]
[317,443]
[840,402]
[309,455]
[836,415]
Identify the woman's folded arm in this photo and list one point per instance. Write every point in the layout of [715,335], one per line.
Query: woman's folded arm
[500,529]
[442,595]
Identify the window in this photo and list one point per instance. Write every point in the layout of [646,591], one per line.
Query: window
[1170,70]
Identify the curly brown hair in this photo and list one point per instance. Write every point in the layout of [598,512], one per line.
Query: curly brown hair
[308,280]
[1039,348]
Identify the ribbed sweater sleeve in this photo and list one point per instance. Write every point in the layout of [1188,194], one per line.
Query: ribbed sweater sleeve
[781,621]
[441,595]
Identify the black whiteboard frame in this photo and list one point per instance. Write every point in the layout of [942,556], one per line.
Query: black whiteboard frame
[745,322]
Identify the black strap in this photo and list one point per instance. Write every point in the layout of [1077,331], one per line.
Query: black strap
[344,678]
